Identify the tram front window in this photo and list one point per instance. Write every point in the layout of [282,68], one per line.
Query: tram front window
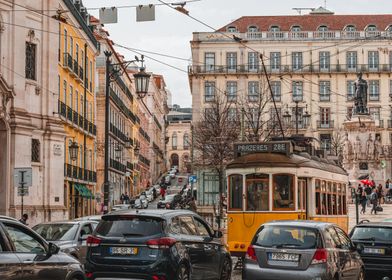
[257,192]
[283,196]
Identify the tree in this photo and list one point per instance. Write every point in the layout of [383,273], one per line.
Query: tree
[337,144]
[213,138]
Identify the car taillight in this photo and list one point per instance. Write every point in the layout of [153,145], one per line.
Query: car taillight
[320,256]
[161,243]
[93,241]
[251,254]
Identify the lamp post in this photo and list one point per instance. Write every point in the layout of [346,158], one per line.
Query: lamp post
[73,150]
[305,116]
[113,70]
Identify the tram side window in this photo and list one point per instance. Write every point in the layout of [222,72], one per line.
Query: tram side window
[235,185]
[330,198]
[283,196]
[257,192]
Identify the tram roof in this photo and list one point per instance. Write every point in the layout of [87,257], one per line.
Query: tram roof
[282,160]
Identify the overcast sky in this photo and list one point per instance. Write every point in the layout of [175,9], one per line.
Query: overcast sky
[171,32]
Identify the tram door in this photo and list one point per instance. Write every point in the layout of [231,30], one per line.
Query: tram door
[302,198]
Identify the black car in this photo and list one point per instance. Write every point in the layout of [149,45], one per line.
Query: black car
[24,255]
[374,243]
[156,244]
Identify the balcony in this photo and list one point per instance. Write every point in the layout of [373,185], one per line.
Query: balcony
[69,113]
[75,117]
[287,69]
[117,165]
[62,109]
[328,124]
[325,97]
[129,166]
[74,71]
[67,62]
[80,74]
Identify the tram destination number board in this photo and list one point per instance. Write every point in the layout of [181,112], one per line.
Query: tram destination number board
[268,147]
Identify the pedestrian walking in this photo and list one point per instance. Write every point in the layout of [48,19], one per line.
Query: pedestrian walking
[24,219]
[380,194]
[122,197]
[126,198]
[363,202]
[163,192]
[374,202]
[368,191]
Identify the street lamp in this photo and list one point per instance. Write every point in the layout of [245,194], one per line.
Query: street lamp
[73,150]
[113,70]
[305,116]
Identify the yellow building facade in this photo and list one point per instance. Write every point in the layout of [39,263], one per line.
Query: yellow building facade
[76,85]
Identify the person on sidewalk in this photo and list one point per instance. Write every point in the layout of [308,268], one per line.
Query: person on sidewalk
[368,191]
[363,202]
[374,201]
[24,219]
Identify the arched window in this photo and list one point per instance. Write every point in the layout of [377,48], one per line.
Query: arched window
[350,28]
[174,141]
[274,28]
[252,29]
[232,29]
[371,28]
[186,141]
[322,28]
[296,28]
[389,28]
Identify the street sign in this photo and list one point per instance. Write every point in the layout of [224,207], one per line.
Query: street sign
[23,175]
[192,179]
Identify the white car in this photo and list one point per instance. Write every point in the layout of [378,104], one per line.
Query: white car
[141,202]
[172,174]
[149,195]
[121,207]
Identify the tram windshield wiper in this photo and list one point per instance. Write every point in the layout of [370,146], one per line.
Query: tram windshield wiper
[285,245]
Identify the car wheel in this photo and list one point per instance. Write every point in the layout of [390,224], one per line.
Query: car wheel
[361,275]
[183,273]
[226,270]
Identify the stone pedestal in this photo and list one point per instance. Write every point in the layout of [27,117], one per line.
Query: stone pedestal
[362,152]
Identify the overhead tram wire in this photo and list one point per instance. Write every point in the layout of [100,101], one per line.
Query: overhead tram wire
[137,6]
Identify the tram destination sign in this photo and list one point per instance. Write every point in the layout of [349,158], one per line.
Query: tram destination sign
[241,149]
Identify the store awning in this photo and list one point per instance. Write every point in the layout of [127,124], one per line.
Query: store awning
[76,187]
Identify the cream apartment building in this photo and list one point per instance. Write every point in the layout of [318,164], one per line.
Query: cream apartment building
[311,59]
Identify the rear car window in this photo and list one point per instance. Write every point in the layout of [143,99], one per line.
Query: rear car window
[129,226]
[372,234]
[288,237]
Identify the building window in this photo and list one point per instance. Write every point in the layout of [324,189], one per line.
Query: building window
[209,91]
[91,76]
[232,29]
[35,150]
[174,141]
[325,90]
[371,28]
[296,58]
[232,115]
[349,112]
[297,91]
[276,90]
[274,28]
[65,41]
[30,67]
[186,141]
[296,28]
[374,90]
[209,61]
[274,121]
[351,61]
[71,46]
[373,60]
[65,92]
[71,97]
[325,141]
[76,101]
[375,113]
[82,105]
[231,61]
[274,32]
[77,53]
[350,90]
[231,91]
[253,29]
[322,28]
[350,28]
[324,60]
[275,61]
[253,61]
[253,91]
[325,117]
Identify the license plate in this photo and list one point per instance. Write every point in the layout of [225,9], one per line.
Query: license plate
[283,257]
[123,251]
[374,251]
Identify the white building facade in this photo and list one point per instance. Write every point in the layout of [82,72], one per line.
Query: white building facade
[312,60]
[31,135]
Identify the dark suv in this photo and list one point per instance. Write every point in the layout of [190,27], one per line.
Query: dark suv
[24,255]
[158,245]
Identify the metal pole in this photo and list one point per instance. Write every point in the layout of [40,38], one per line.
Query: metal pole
[107,104]
[242,125]
[192,159]
[356,208]
[296,117]
[85,120]
[22,190]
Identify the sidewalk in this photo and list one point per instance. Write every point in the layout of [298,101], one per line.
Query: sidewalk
[387,213]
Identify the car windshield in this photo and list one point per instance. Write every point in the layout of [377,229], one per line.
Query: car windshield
[288,237]
[119,226]
[170,197]
[57,232]
[372,233]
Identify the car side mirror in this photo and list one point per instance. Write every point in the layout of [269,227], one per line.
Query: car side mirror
[218,234]
[53,249]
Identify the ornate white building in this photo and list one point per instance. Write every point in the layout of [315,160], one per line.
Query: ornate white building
[31,134]
[312,60]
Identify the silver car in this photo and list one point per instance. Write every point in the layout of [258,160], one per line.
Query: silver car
[70,236]
[302,250]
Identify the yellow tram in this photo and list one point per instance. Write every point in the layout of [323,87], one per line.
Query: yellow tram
[276,181]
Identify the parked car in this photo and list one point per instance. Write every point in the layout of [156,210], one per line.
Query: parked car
[69,236]
[141,202]
[149,195]
[302,250]
[168,180]
[156,244]
[168,200]
[172,174]
[96,218]
[374,243]
[24,255]
[118,207]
